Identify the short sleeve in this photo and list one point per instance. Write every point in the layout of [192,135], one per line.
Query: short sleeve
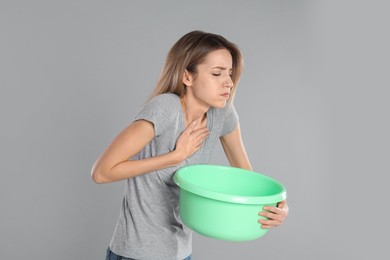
[231,120]
[159,111]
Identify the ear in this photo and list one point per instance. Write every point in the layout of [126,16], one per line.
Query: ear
[187,78]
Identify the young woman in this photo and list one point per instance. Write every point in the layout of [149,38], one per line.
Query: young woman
[189,111]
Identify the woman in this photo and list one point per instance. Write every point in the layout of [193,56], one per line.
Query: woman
[189,110]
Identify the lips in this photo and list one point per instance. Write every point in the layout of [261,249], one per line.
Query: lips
[226,95]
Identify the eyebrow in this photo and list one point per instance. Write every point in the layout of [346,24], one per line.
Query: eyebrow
[221,68]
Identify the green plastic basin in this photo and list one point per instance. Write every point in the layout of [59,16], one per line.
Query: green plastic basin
[223,202]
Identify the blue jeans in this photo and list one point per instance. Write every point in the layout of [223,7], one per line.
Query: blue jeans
[112,256]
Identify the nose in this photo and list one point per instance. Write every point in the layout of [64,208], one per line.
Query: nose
[228,82]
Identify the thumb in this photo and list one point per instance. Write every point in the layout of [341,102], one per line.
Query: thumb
[281,204]
[191,126]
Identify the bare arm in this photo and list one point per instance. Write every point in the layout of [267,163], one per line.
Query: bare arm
[114,164]
[234,149]
[236,154]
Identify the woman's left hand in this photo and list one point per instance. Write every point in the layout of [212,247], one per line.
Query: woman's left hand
[276,215]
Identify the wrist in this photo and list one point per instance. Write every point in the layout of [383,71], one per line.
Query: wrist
[177,157]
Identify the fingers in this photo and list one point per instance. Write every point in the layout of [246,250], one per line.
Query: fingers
[191,139]
[199,136]
[190,127]
[200,133]
[272,220]
[193,124]
[273,216]
[269,223]
[274,210]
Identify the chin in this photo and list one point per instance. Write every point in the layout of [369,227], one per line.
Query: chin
[220,104]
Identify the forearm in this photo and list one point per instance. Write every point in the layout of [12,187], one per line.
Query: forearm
[240,162]
[132,168]
[234,149]
[244,165]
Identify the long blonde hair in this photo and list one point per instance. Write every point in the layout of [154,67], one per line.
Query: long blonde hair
[187,53]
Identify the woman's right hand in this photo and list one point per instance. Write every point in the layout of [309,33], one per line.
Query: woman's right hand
[191,140]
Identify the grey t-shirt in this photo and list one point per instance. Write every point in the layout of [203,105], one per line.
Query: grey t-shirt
[149,225]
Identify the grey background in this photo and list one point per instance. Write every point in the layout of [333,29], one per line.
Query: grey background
[313,105]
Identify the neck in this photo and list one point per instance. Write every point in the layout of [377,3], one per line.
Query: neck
[193,110]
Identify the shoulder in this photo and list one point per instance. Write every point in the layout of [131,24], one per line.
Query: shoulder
[166,99]
[160,110]
[224,112]
[162,104]
[226,119]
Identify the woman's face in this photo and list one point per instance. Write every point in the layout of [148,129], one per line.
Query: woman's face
[212,83]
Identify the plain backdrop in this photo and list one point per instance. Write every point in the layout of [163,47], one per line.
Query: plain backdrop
[313,104]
